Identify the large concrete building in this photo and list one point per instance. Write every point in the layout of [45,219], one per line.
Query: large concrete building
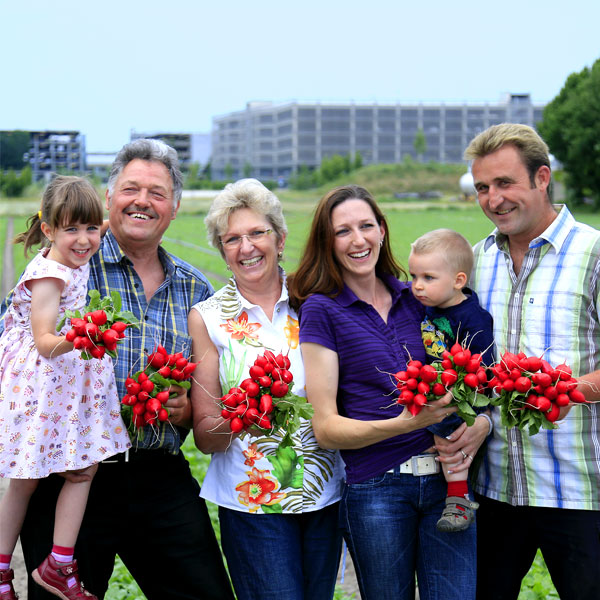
[191,147]
[55,152]
[270,140]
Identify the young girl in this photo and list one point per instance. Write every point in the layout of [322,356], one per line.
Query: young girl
[58,412]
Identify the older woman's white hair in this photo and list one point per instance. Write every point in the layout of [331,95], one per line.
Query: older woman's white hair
[244,193]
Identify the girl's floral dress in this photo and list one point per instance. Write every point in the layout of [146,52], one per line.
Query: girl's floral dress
[56,414]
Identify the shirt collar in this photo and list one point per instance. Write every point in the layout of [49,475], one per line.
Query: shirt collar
[555,234]
[284,297]
[397,289]
[112,253]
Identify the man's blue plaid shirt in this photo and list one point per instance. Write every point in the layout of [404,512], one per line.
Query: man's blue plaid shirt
[163,320]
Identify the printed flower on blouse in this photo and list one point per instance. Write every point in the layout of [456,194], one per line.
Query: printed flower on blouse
[241,329]
[252,455]
[259,490]
[291,331]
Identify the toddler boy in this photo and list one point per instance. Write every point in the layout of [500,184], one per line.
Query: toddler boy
[440,264]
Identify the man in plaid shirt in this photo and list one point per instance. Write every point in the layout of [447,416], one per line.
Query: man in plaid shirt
[144,505]
[537,274]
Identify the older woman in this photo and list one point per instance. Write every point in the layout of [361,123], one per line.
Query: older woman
[278,510]
[358,323]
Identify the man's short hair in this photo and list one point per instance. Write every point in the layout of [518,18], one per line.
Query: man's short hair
[152,150]
[532,148]
[454,247]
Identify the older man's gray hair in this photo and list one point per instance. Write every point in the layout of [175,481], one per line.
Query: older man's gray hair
[153,150]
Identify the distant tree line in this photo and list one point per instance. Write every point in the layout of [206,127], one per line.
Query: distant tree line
[571,128]
[330,169]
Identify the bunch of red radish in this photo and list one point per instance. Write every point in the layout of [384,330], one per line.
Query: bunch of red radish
[94,335]
[101,327]
[148,390]
[531,392]
[254,401]
[459,371]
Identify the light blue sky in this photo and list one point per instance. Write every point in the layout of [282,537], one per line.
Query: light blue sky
[107,67]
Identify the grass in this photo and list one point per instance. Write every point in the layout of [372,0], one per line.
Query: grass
[186,237]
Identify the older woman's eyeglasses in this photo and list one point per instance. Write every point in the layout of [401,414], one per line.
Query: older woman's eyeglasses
[235,241]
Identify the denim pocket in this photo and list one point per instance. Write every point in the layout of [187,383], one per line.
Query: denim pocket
[373,481]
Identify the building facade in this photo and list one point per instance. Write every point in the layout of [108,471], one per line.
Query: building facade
[269,140]
[55,152]
[191,147]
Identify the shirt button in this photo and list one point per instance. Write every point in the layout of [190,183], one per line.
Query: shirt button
[136,285]
[278,309]
[514,444]
[513,331]
[146,318]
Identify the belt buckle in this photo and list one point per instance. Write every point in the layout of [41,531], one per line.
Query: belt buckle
[424,464]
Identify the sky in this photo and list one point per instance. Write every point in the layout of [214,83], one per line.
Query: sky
[105,68]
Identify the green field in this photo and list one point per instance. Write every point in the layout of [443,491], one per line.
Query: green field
[187,238]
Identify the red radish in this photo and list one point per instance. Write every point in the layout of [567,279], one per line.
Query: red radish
[522,384]
[163,414]
[438,389]
[279,389]
[264,381]
[562,400]
[577,396]
[236,424]
[156,360]
[266,404]
[163,396]
[165,372]
[412,371]
[119,327]
[544,404]
[471,380]
[153,405]
[181,363]
[428,374]
[420,400]
[449,377]
[70,335]
[553,414]
[98,351]
[98,317]
[508,385]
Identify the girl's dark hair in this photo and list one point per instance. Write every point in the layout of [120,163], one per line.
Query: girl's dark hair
[65,200]
[319,271]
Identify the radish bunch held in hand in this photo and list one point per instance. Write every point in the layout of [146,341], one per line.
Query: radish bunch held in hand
[101,327]
[264,401]
[148,390]
[531,392]
[459,372]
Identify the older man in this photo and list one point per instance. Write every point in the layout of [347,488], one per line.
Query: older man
[538,274]
[144,505]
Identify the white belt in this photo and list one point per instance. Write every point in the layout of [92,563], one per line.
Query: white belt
[421,464]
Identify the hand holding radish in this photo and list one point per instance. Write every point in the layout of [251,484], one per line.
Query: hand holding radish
[431,413]
[180,407]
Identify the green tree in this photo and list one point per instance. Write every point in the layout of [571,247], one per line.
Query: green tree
[247,170]
[420,144]
[571,128]
[228,171]
[13,145]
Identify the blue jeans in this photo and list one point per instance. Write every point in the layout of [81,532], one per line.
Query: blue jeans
[389,525]
[282,556]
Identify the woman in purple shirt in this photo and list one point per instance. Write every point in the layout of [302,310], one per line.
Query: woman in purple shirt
[358,323]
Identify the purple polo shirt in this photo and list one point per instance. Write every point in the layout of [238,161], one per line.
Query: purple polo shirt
[368,349]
